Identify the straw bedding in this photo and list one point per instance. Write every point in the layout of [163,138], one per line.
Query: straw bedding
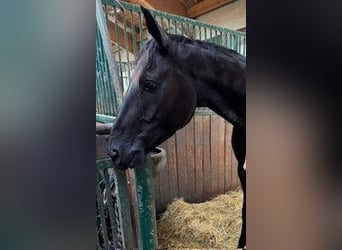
[212,224]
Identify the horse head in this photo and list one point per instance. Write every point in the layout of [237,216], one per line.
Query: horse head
[160,100]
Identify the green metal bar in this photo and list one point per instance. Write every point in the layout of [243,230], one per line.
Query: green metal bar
[216,38]
[126,44]
[101,212]
[105,5]
[106,79]
[193,36]
[105,118]
[182,30]
[141,30]
[134,40]
[188,30]
[103,75]
[117,37]
[169,25]
[162,23]
[121,185]
[112,217]
[175,21]
[204,111]
[200,33]
[107,48]
[146,206]
[136,8]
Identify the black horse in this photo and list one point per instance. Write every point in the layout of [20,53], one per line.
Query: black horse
[173,76]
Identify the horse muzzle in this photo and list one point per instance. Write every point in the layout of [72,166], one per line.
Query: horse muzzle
[125,159]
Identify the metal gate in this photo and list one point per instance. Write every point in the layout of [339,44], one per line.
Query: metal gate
[116,226]
[128,34]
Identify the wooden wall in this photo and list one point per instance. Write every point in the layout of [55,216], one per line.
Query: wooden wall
[200,162]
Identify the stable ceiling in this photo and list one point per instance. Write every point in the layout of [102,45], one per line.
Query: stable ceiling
[187,8]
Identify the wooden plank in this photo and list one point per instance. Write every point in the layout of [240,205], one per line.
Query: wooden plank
[174,7]
[235,178]
[206,158]
[205,6]
[181,162]
[214,152]
[103,128]
[198,120]
[221,155]
[190,161]
[101,147]
[228,159]
[172,167]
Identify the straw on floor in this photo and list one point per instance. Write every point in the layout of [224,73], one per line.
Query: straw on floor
[212,224]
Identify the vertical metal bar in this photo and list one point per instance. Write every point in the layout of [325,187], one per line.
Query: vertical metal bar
[175,27]
[188,30]
[104,77]
[134,41]
[245,45]
[114,226]
[141,30]
[117,37]
[123,203]
[98,75]
[194,35]
[126,43]
[101,212]
[146,206]
[169,25]
[108,99]
[216,38]
[162,22]
[200,32]
[113,70]
[105,7]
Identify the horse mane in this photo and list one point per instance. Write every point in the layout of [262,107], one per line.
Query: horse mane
[197,44]
[211,47]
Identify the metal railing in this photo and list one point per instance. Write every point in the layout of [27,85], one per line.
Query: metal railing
[128,34]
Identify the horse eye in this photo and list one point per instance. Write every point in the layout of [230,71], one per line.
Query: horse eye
[150,85]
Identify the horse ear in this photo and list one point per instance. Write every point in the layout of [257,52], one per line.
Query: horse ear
[155,30]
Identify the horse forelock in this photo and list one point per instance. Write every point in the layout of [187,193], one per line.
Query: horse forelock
[144,60]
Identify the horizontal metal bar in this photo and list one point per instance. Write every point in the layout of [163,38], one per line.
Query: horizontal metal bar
[175,17]
[105,118]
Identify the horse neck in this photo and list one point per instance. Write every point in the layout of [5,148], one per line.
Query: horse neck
[219,80]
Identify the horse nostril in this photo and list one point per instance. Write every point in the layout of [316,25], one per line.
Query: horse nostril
[114,154]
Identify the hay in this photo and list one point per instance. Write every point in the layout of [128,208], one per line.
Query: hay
[212,224]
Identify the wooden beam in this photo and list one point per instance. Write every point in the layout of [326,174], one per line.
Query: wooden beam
[145,4]
[205,6]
